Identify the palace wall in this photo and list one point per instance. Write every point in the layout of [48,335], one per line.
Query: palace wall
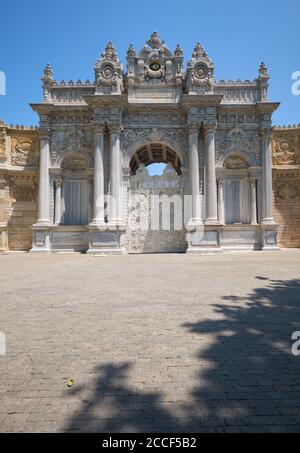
[19,151]
[286,184]
[19,156]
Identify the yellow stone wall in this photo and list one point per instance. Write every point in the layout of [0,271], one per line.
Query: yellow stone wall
[286,184]
[18,186]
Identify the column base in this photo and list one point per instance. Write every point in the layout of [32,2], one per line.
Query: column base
[211,222]
[205,240]
[39,251]
[194,224]
[105,240]
[269,237]
[41,239]
[268,221]
[3,237]
[98,224]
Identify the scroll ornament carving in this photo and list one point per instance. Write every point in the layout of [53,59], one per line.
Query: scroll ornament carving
[153,117]
[236,141]
[154,135]
[235,163]
[284,154]
[130,136]
[74,141]
[23,152]
[287,191]
[74,164]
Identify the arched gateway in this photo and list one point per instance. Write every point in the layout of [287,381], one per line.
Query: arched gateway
[156,203]
[98,138]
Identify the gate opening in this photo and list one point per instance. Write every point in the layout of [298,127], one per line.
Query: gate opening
[155,216]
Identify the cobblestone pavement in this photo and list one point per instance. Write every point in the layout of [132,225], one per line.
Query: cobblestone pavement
[153,343]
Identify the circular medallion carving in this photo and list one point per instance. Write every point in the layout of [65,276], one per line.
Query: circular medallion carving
[201,71]
[107,71]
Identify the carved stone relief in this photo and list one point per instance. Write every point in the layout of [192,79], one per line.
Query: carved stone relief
[286,191]
[200,72]
[76,140]
[239,141]
[24,152]
[283,153]
[74,163]
[235,162]
[109,72]
[22,189]
[155,134]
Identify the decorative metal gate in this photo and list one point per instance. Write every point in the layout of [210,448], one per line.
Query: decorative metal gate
[156,212]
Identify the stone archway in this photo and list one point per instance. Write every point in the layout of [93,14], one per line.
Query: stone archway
[154,153]
[156,203]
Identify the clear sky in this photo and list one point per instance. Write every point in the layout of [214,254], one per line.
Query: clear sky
[71,35]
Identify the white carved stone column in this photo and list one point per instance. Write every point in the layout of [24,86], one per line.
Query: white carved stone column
[252,182]
[221,213]
[115,175]
[58,184]
[44,209]
[210,176]
[98,193]
[267,179]
[193,132]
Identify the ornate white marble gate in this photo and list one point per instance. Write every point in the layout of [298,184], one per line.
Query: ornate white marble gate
[155,217]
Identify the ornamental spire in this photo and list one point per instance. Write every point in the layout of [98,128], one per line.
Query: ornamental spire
[155,42]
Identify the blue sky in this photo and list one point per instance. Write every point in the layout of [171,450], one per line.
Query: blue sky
[71,35]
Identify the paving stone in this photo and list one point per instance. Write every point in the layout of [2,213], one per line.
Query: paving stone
[153,343]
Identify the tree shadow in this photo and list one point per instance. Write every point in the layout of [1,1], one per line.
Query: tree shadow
[247,377]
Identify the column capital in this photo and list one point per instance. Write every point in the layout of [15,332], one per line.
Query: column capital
[98,128]
[265,131]
[193,129]
[58,181]
[220,181]
[211,128]
[115,127]
[44,133]
[252,180]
